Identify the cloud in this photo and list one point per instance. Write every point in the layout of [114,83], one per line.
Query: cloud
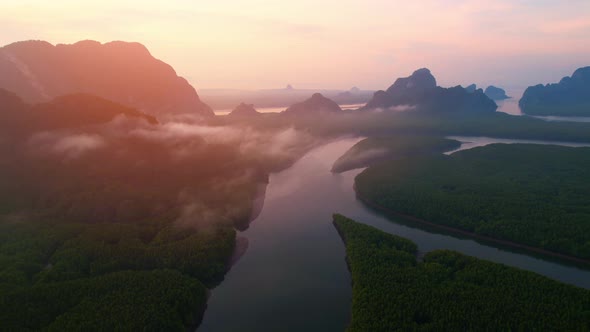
[397,108]
[274,146]
[69,145]
[78,144]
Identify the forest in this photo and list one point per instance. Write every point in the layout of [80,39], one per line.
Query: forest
[61,276]
[94,214]
[126,224]
[374,149]
[448,291]
[535,195]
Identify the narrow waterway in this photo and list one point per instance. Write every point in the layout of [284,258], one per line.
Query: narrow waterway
[293,276]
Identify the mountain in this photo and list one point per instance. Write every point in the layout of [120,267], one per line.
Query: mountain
[80,109]
[244,110]
[496,93]
[420,80]
[419,91]
[13,112]
[569,97]
[123,72]
[70,111]
[317,104]
[471,88]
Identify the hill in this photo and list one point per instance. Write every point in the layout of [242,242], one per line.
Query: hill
[120,71]
[420,92]
[569,97]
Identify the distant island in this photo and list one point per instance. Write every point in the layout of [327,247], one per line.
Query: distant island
[420,92]
[227,99]
[120,71]
[569,97]
[317,104]
[496,93]
[244,110]
[471,88]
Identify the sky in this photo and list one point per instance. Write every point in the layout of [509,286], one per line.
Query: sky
[324,43]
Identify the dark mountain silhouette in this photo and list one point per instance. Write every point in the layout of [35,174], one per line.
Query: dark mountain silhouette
[317,104]
[471,88]
[569,97]
[123,72]
[420,91]
[70,111]
[13,112]
[420,80]
[496,93]
[352,96]
[244,110]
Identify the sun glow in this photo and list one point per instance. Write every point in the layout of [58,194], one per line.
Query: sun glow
[336,44]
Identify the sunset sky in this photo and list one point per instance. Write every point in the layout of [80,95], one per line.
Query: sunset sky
[326,44]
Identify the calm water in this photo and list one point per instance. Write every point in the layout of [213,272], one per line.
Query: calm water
[294,277]
[282,108]
[510,106]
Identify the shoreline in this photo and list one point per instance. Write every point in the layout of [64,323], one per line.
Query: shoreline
[240,249]
[508,243]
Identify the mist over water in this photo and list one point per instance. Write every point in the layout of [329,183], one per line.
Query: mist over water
[282,108]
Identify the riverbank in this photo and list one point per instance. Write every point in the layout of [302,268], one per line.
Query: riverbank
[379,208]
[449,291]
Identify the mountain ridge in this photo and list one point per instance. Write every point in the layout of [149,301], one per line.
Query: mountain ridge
[124,72]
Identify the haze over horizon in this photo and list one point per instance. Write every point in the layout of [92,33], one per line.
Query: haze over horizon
[328,44]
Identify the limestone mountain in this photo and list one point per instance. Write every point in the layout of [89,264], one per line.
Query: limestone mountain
[496,93]
[244,110]
[569,97]
[119,71]
[471,88]
[420,92]
[317,104]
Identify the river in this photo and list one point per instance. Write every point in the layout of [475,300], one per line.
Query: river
[293,277]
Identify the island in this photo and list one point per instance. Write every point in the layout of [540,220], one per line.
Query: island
[419,92]
[569,97]
[496,93]
[534,197]
[317,104]
[244,110]
[471,88]
[397,288]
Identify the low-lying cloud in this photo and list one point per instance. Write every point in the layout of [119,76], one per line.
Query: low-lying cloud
[397,108]
[67,145]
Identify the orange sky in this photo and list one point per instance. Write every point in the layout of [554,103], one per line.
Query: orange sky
[326,44]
